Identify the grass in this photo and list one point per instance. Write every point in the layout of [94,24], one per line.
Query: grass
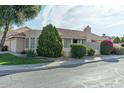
[9,59]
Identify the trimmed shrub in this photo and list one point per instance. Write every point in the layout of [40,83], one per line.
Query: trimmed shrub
[106,47]
[5,48]
[116,40]
[122,40]
[50,42]
[30,53]
[78,50]
[90,52]
[119,50]
[23,52]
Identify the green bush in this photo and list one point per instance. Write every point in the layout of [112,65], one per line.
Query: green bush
[90,52]
[23,52]
[119,50]
[50,42]
[30,53]
[106,47]
[116,40]
[5,48]
[78,50]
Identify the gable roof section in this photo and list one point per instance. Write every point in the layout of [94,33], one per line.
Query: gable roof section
[20,30]
[75,34]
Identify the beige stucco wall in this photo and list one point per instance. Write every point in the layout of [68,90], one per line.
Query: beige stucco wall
[20,44]
[66,52]
[95,46]
[17,43]
[32,34]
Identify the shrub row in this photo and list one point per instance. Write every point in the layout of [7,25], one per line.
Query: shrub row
[118,50]
[80,50]
[107,48]
[90,52]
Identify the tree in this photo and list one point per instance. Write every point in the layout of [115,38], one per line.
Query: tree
[122,40]
[116,40]
[50,42]
[15,15]
[103,34]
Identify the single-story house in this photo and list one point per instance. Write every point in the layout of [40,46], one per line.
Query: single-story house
[26,38]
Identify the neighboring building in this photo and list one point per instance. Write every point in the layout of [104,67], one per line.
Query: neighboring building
[25,38]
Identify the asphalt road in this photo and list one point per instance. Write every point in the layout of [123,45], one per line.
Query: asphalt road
[109,73]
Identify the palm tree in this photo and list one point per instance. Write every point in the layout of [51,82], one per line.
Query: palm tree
[15,15]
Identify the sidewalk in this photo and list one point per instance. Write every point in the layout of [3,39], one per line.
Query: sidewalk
[60,62]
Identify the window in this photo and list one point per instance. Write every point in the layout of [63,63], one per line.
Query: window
[67,43]
[75,41]
[32,42]
[93,41]
[83,40]
[27,42]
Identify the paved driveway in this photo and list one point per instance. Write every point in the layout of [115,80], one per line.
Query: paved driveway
[109,73]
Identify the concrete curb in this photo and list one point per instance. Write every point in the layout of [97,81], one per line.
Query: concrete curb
[28,69]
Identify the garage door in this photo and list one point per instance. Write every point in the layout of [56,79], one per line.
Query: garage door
[13,45]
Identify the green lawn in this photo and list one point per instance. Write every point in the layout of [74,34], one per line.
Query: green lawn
[8,59]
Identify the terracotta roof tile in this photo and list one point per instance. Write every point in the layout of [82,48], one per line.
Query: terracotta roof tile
[67,33]
[20,30]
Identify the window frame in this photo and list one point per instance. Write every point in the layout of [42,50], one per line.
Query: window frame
[27,43]
[32,42]
[67,43]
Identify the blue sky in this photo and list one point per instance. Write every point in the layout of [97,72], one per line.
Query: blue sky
[102,19]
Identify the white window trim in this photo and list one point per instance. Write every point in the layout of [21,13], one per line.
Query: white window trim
[32,42]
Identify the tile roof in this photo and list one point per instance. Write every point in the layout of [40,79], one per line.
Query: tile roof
[65,33]
[17,35]
[20,30]
[68,33]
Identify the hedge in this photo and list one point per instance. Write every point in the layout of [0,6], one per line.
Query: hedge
[78,50]
[90,52]
[119,50]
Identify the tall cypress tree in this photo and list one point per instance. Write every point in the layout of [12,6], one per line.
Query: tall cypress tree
[50,42]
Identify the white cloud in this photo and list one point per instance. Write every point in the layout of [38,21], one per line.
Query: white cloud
[115,24]
[75,16]
[101,18]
